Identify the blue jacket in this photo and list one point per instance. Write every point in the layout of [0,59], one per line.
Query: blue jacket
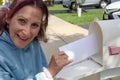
[20,63]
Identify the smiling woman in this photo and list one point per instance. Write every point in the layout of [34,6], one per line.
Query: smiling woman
[22,25]
[25,25]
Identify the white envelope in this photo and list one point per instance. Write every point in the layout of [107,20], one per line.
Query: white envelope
[81,49]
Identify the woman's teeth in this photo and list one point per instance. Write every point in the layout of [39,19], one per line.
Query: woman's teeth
[22,38]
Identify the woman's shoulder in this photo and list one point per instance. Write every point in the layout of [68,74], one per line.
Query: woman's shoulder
[38,47]
[35,43]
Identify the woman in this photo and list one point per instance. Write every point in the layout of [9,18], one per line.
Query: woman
[21,56]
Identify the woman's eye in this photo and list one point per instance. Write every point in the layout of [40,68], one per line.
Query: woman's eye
[34,25]
[21,21]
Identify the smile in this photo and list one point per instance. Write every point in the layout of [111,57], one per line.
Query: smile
[21,37]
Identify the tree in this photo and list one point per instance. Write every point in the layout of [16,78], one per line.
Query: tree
[50,2]
[77,2]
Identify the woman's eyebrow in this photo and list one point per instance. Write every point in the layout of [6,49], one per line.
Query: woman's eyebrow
[38,22]
[19,16]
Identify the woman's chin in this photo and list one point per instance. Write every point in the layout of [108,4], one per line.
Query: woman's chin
[20,45]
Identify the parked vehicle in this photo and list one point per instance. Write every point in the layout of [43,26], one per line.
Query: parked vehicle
[85,3]
[111,1]
[58,1]
[112,11]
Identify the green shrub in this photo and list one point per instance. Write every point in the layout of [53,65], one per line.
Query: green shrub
[2,1]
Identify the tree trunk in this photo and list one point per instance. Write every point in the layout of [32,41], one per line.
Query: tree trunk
[50,2]
[77,4]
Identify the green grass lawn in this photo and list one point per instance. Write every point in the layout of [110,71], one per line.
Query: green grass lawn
[56,7]
[86,17]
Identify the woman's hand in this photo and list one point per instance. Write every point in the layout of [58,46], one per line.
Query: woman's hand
[58,61]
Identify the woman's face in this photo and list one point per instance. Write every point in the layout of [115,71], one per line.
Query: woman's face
[24,26]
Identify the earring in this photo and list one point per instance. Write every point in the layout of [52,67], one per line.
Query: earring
[7,26]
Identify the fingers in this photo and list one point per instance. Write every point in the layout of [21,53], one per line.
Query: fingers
[62,59]
[63,55]
[58,61]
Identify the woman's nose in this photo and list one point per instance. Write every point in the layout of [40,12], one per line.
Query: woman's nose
[27,31]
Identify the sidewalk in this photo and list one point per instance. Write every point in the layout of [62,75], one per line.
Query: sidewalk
[60,33]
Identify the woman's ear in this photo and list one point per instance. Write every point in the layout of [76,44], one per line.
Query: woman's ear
[7,21]
[7,16]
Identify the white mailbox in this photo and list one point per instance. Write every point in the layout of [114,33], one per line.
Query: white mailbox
[106,61]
